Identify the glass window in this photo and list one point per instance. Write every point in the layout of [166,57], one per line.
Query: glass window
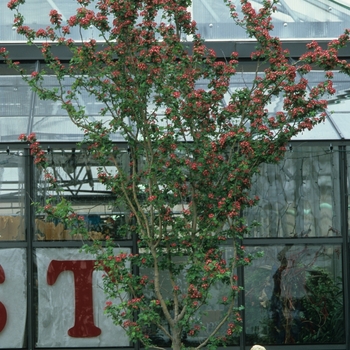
[294,295]
[299,197]
[77,176]
[211,313]
[12,196]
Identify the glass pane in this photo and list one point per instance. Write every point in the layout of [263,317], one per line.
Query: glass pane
[70,301]
[294,295]
[299,197]
[77,176]
[293,19]
[13,304]
[12,197]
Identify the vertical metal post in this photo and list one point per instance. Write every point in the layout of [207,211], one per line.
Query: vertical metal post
[344,230]
[241,298]
[29,219]
[241,301]
[135,271]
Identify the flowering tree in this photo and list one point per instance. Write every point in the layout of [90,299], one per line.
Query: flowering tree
[191,157]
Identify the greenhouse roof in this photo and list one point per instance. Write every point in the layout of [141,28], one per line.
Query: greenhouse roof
[297,19]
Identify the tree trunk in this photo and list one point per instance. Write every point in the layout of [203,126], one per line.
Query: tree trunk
[176,340]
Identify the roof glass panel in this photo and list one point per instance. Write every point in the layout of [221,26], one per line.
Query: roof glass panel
[293,19]
[40,19]
[37,19]
[342,122]
[323,131]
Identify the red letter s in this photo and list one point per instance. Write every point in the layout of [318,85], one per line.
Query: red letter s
[3,313]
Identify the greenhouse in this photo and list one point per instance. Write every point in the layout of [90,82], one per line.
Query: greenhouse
[295,297]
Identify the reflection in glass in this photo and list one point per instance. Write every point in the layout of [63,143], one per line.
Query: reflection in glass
[294,295]
[299,197]
[12,197]
[210,313]
[76,173]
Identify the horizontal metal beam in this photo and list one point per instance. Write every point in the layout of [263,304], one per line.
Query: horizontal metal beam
[22,52]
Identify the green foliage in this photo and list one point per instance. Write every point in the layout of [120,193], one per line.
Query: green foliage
[302,305]
[323,309]
[318,315]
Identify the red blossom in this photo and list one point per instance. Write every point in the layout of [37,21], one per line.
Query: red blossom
[151,198]
[14,3]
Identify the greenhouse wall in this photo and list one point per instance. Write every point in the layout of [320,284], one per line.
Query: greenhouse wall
[295,296]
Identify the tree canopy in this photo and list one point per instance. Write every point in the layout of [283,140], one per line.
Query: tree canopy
[192,151]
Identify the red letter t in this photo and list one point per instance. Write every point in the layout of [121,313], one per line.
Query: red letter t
[84,326]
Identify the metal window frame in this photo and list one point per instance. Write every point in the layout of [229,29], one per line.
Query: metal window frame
[30,245]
